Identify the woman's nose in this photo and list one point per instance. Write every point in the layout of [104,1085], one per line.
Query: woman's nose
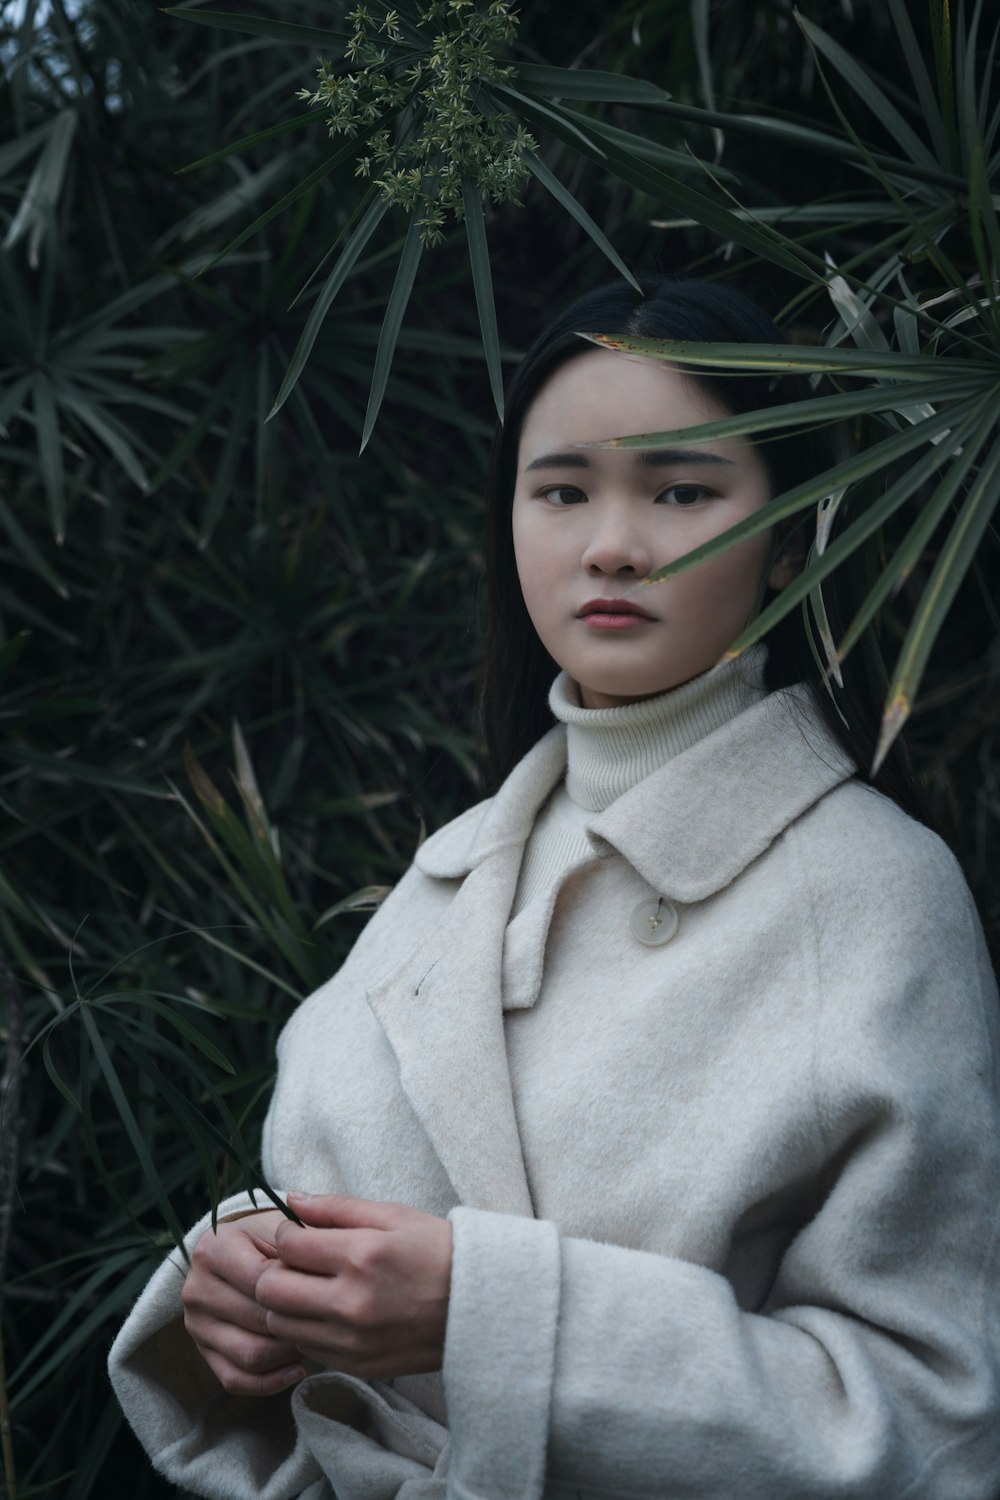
[616,547]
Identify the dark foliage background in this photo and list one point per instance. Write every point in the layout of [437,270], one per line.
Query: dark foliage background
[237,659]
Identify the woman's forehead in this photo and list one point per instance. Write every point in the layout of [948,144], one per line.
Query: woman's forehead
[602,394]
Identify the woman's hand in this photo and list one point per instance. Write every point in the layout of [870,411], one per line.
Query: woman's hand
[222,1315]
[363,1288]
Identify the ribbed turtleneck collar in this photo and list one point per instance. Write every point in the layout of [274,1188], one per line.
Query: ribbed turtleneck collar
[610,750]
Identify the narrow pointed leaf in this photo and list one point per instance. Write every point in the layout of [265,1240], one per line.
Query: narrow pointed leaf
[864,526]
[56,1076]
[588,83]
[769,358]
[861,466]
[279,31]
[11,401]
[369,898]
[306,185]
[30,551]
[409,260]
[954,561]
[194,431]
[194,1036]
[50,460]
[908,552]
[67,1321]
[374,214]
[257,138]
[929,106]
[944,60]
[246,777]
[108,430]
[648,150]
[817,604]
[563,196]
[12,153]
[984,224]
[699,29]
[989,124]
[237,424]
[42,193]
[578,134]
[809,413]
[244,958]
[867,90]
[127,1117]
[666,189]
[778,132]
[482,280]
[925,241]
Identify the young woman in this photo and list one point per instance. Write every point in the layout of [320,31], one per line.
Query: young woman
[652,1122]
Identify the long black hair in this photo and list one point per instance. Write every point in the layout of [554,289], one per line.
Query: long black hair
[517,670]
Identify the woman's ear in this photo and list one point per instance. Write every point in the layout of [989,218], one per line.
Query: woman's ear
[784,571]
[789,562]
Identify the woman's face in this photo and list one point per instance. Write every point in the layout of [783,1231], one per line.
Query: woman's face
[590,523]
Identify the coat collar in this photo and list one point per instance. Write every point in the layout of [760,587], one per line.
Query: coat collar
[688,829]
[691,826]
[694,825]
[500,822]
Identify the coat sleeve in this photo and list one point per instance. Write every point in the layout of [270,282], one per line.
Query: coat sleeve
[332,1435]
[871,1370]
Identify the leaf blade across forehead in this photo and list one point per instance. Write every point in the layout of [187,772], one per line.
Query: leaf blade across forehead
[797,414]
[776,358]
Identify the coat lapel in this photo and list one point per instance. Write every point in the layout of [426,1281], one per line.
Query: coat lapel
[441,1009]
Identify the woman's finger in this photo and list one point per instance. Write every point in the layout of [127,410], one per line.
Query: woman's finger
[241,1382]
[296,1294]
[206,1296]
[339,1211]
[252,1353]
[326,1252]
[236,1252]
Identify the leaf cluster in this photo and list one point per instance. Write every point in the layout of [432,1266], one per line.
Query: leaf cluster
[433,80]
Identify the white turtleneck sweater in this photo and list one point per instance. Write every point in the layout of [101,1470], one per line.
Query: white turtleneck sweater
[608,751]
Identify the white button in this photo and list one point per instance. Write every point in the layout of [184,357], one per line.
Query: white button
[654,921]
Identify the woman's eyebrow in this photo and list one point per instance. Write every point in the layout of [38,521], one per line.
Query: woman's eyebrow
[559,461]
[656,457]
[652,457]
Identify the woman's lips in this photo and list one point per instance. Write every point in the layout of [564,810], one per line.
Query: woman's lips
[613,614]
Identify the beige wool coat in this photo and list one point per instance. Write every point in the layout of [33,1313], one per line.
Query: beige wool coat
[726,1211]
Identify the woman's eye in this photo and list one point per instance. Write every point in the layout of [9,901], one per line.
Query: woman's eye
[683,494]
[563,494]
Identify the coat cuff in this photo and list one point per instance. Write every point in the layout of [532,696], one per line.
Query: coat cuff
[199,1437]
[499,1353]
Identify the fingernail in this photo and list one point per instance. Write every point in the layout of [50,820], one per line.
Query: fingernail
[292,1377]
[299,1196]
